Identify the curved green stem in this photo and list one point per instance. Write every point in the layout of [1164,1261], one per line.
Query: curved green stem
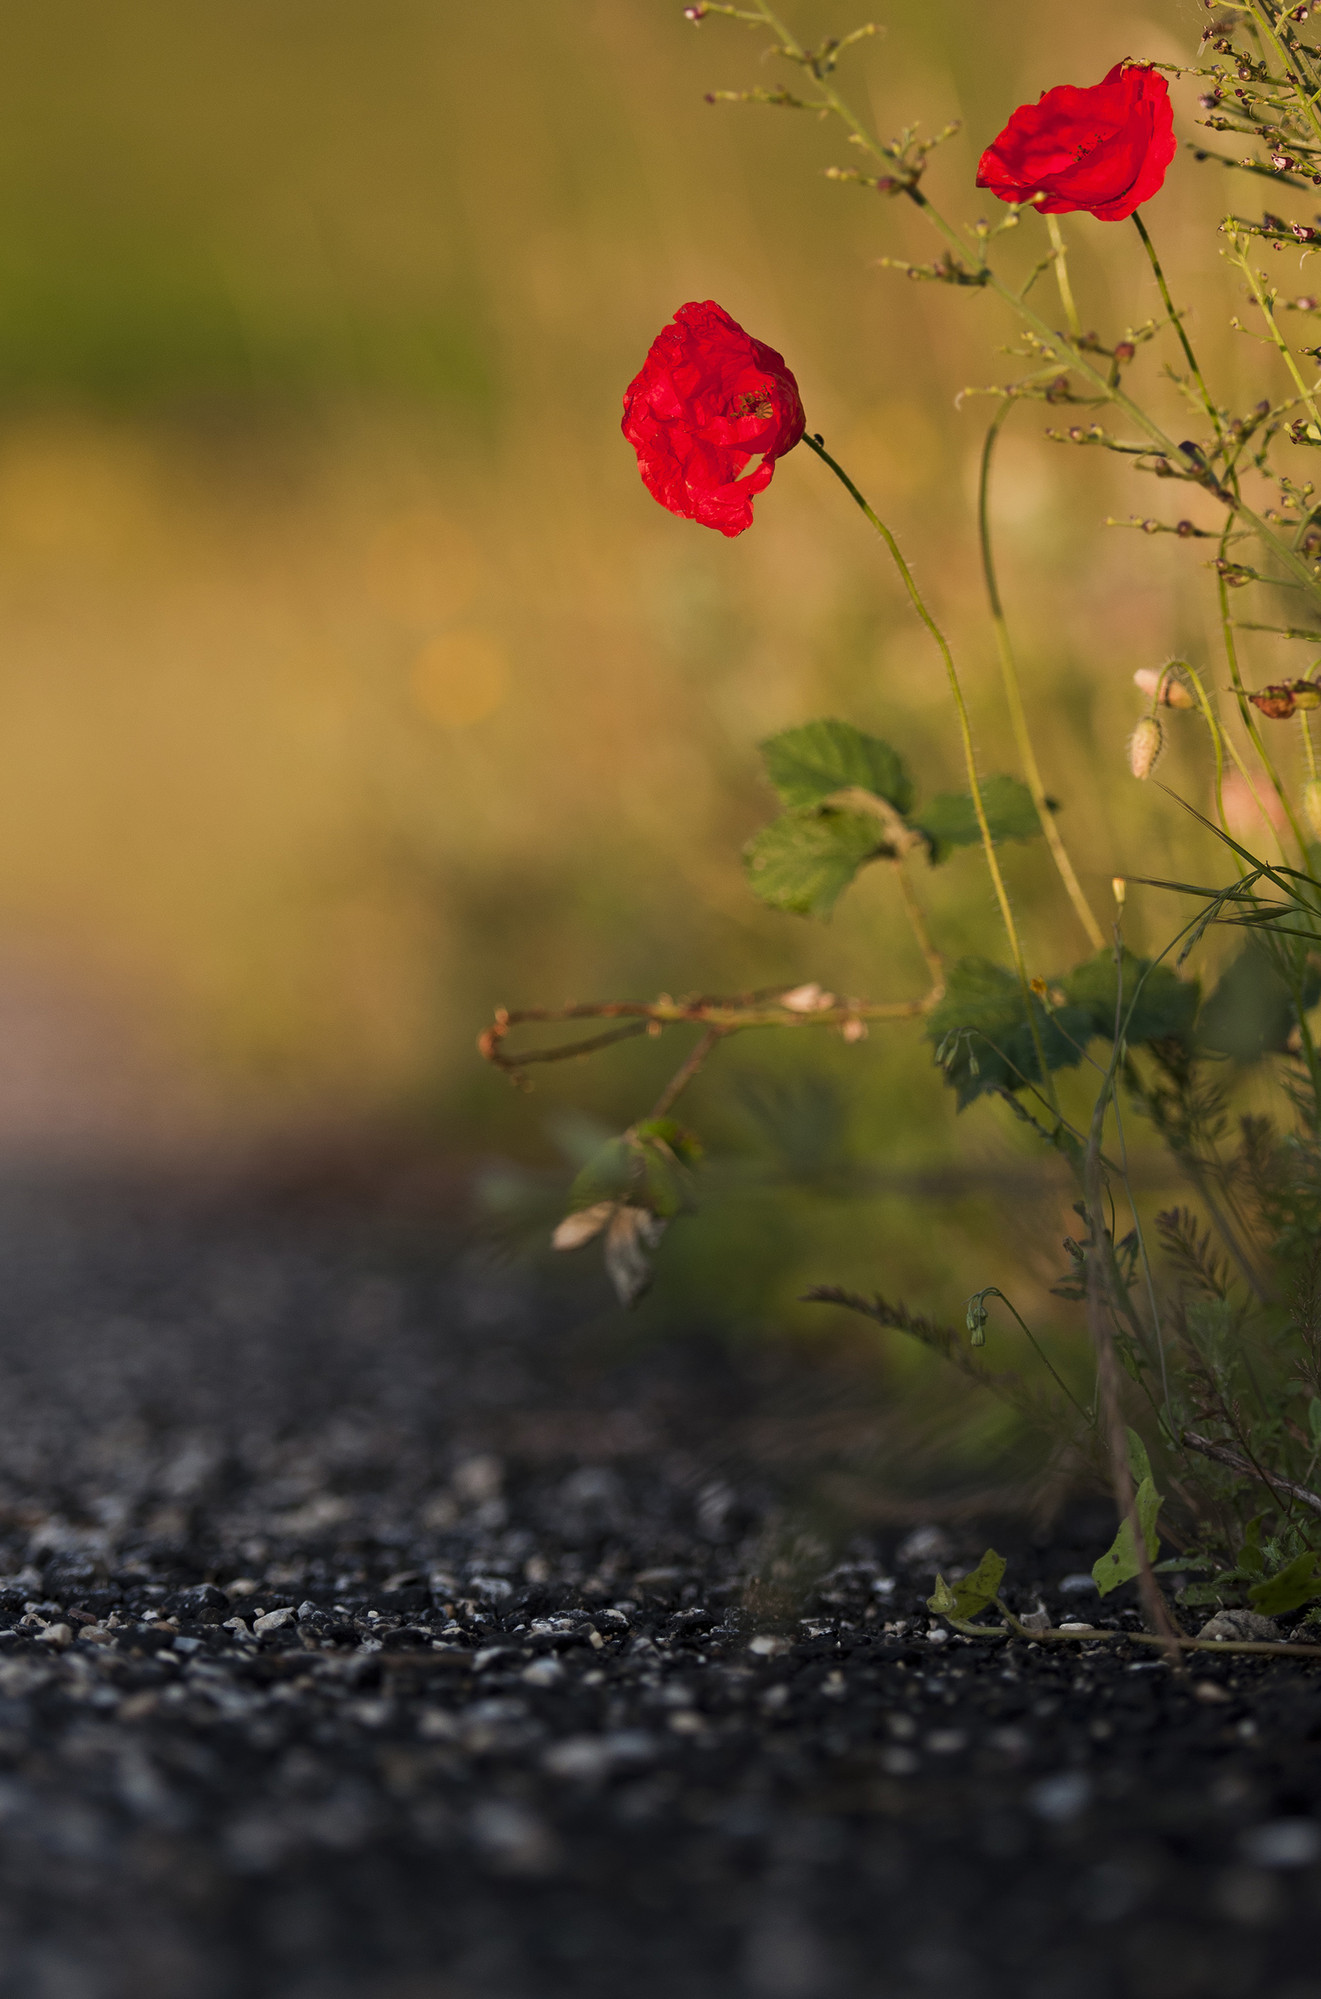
[1014,693]
[1219,744]
[1176,320]
[969,754]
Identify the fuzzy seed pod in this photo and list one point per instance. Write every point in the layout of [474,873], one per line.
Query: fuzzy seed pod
[1144,746]
[1312,806]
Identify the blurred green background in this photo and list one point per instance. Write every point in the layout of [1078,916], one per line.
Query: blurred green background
[351,684]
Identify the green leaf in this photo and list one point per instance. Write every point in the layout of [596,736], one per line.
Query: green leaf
[805,860]
[1139,1464]
[1162,1010]
[810,764]
[645,1168]
[972,1594]
[1252,1012]
[685,1145]
[1290,1588]
[1314,1421]
[609,1175]
[951,820]
[1250,1558]
[1119,1564]
[982,1034]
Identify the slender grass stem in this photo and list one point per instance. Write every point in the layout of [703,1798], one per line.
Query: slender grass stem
[1261,19]
[1219,744]
[1014,693]
[1266,305]
[1249,722]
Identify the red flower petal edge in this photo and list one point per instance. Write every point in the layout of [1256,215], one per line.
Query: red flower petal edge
[708,400]
[1104,150]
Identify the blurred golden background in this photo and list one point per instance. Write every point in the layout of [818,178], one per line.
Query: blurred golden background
[351,684]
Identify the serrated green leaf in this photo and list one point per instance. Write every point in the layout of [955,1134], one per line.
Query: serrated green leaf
[982,1035]
[804,861]
[1155,1005]
[950,820]
[1200,1596]
[970,1596]
[812,763]
[982,1586]
[1250,1558]
[1252,1012]
[1119,1564]
[1290,1588]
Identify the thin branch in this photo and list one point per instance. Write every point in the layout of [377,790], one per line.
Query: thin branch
[1222,1455]
[683,1076]
[794,1006]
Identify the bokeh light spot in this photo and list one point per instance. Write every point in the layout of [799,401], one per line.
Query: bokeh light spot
[460,678]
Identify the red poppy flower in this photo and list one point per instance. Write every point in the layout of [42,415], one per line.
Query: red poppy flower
[1103,150]
[710,399]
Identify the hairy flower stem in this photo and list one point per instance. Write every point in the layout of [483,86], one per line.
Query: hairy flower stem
[969,754]
[1061,249]
[1176,320]
[917,918]
[1014,693]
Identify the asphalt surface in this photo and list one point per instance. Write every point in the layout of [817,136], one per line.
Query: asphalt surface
[370,1630]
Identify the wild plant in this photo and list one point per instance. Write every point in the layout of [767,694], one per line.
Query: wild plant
[1205,1324]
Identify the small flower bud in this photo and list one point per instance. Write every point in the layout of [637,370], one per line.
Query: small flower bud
[1312,806]
[1144,746]
[1165,687]
[1119,889]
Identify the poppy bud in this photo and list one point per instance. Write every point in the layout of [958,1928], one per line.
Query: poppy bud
[1144,746]
[1166,688]
[1312,806]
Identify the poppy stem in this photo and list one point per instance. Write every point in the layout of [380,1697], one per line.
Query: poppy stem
[1014,692]
[1061,249]
[1177,321]
[969,754]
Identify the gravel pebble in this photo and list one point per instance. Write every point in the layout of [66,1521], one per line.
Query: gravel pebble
[553,1714]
